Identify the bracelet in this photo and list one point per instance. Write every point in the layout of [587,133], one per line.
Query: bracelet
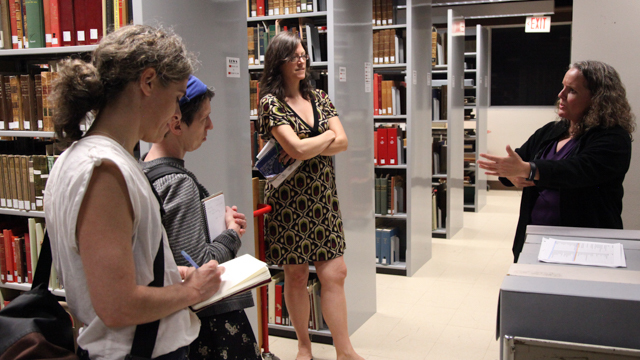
[532,172]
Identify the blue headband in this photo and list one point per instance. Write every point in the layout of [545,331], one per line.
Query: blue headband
[195,88]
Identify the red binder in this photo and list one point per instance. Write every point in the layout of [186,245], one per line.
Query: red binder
[375,147]
[260,11]
[67,24]
[3,261]
[80,21]
[382,146]
[93,21]
[392,146]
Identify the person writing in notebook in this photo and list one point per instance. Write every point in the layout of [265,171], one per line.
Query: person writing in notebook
[226,332]
[102,215]
[305,224]
[571,170]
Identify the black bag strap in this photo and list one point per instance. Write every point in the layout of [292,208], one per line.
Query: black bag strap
[43,269]
[163,169]
[144,339]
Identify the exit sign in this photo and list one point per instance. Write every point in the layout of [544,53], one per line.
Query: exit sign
[538,24]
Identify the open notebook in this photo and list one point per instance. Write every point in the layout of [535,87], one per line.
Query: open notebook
[241,274]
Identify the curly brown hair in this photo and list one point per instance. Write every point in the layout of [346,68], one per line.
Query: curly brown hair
[281,47]
[120,58]
[609,105]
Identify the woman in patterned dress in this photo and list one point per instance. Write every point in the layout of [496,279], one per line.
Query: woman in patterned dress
[305,224]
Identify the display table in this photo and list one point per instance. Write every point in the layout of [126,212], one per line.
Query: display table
[573,303]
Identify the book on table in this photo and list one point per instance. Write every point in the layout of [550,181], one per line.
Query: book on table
[241,274]
[269,165]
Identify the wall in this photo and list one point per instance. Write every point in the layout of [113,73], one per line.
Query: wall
[512,125]
[607,31]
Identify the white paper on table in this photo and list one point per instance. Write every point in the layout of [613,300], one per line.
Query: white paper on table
[581,253]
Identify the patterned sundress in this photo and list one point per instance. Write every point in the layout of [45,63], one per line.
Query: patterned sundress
[305,224]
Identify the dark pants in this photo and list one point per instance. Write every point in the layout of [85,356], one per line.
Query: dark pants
[180,354]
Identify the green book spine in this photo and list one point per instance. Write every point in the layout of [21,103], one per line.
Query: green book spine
[35,23]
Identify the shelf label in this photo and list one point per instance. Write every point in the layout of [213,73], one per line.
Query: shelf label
[40,125]
[93,34]
[368,74]
[415,77]
[342,74]
[458,27]
[429,79]
[81,35]
[233,67]
[27,125]
[66,36]
[537,24]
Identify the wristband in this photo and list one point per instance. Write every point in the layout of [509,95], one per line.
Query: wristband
[532,172]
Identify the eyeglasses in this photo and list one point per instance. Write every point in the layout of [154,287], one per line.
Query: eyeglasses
[295,58]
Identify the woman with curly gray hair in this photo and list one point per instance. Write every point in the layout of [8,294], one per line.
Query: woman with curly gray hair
[102,216]
[571,170]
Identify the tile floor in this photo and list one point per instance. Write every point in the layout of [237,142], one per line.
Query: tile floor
[447,310]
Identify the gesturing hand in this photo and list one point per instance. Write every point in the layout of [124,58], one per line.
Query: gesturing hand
[510,166]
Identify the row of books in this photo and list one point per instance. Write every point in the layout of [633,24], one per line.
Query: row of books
[389,96]
[23,180]
[259,37]
[390,145]
[19,250]
[387,245]
[439,103]
[439,205]
[257,143]
[52,23]
[388,47]
[256,8]
[438,47]
[390,195]
[277,307]
[439,152]
[24,101]
[383,13]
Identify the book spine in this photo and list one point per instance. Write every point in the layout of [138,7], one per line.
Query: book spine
[9,258]
[67,25]
[80,21]
[35,23]
[5,13]
[3,261]
[278,297]
[27,252]
[46,14]
[17,256]
[109,16]
[15,38]
[39,111]
[54,14]
[94,18]
[16,103]
[26,105]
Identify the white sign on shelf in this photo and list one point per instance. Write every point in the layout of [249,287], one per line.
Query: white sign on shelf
[429,79]
[415,77]
[537,24]
[368,74]
[342,74]
[233,67]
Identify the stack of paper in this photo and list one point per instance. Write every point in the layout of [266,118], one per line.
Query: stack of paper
[581,253]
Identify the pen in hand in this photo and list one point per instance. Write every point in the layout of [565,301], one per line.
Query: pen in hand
[189,259]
